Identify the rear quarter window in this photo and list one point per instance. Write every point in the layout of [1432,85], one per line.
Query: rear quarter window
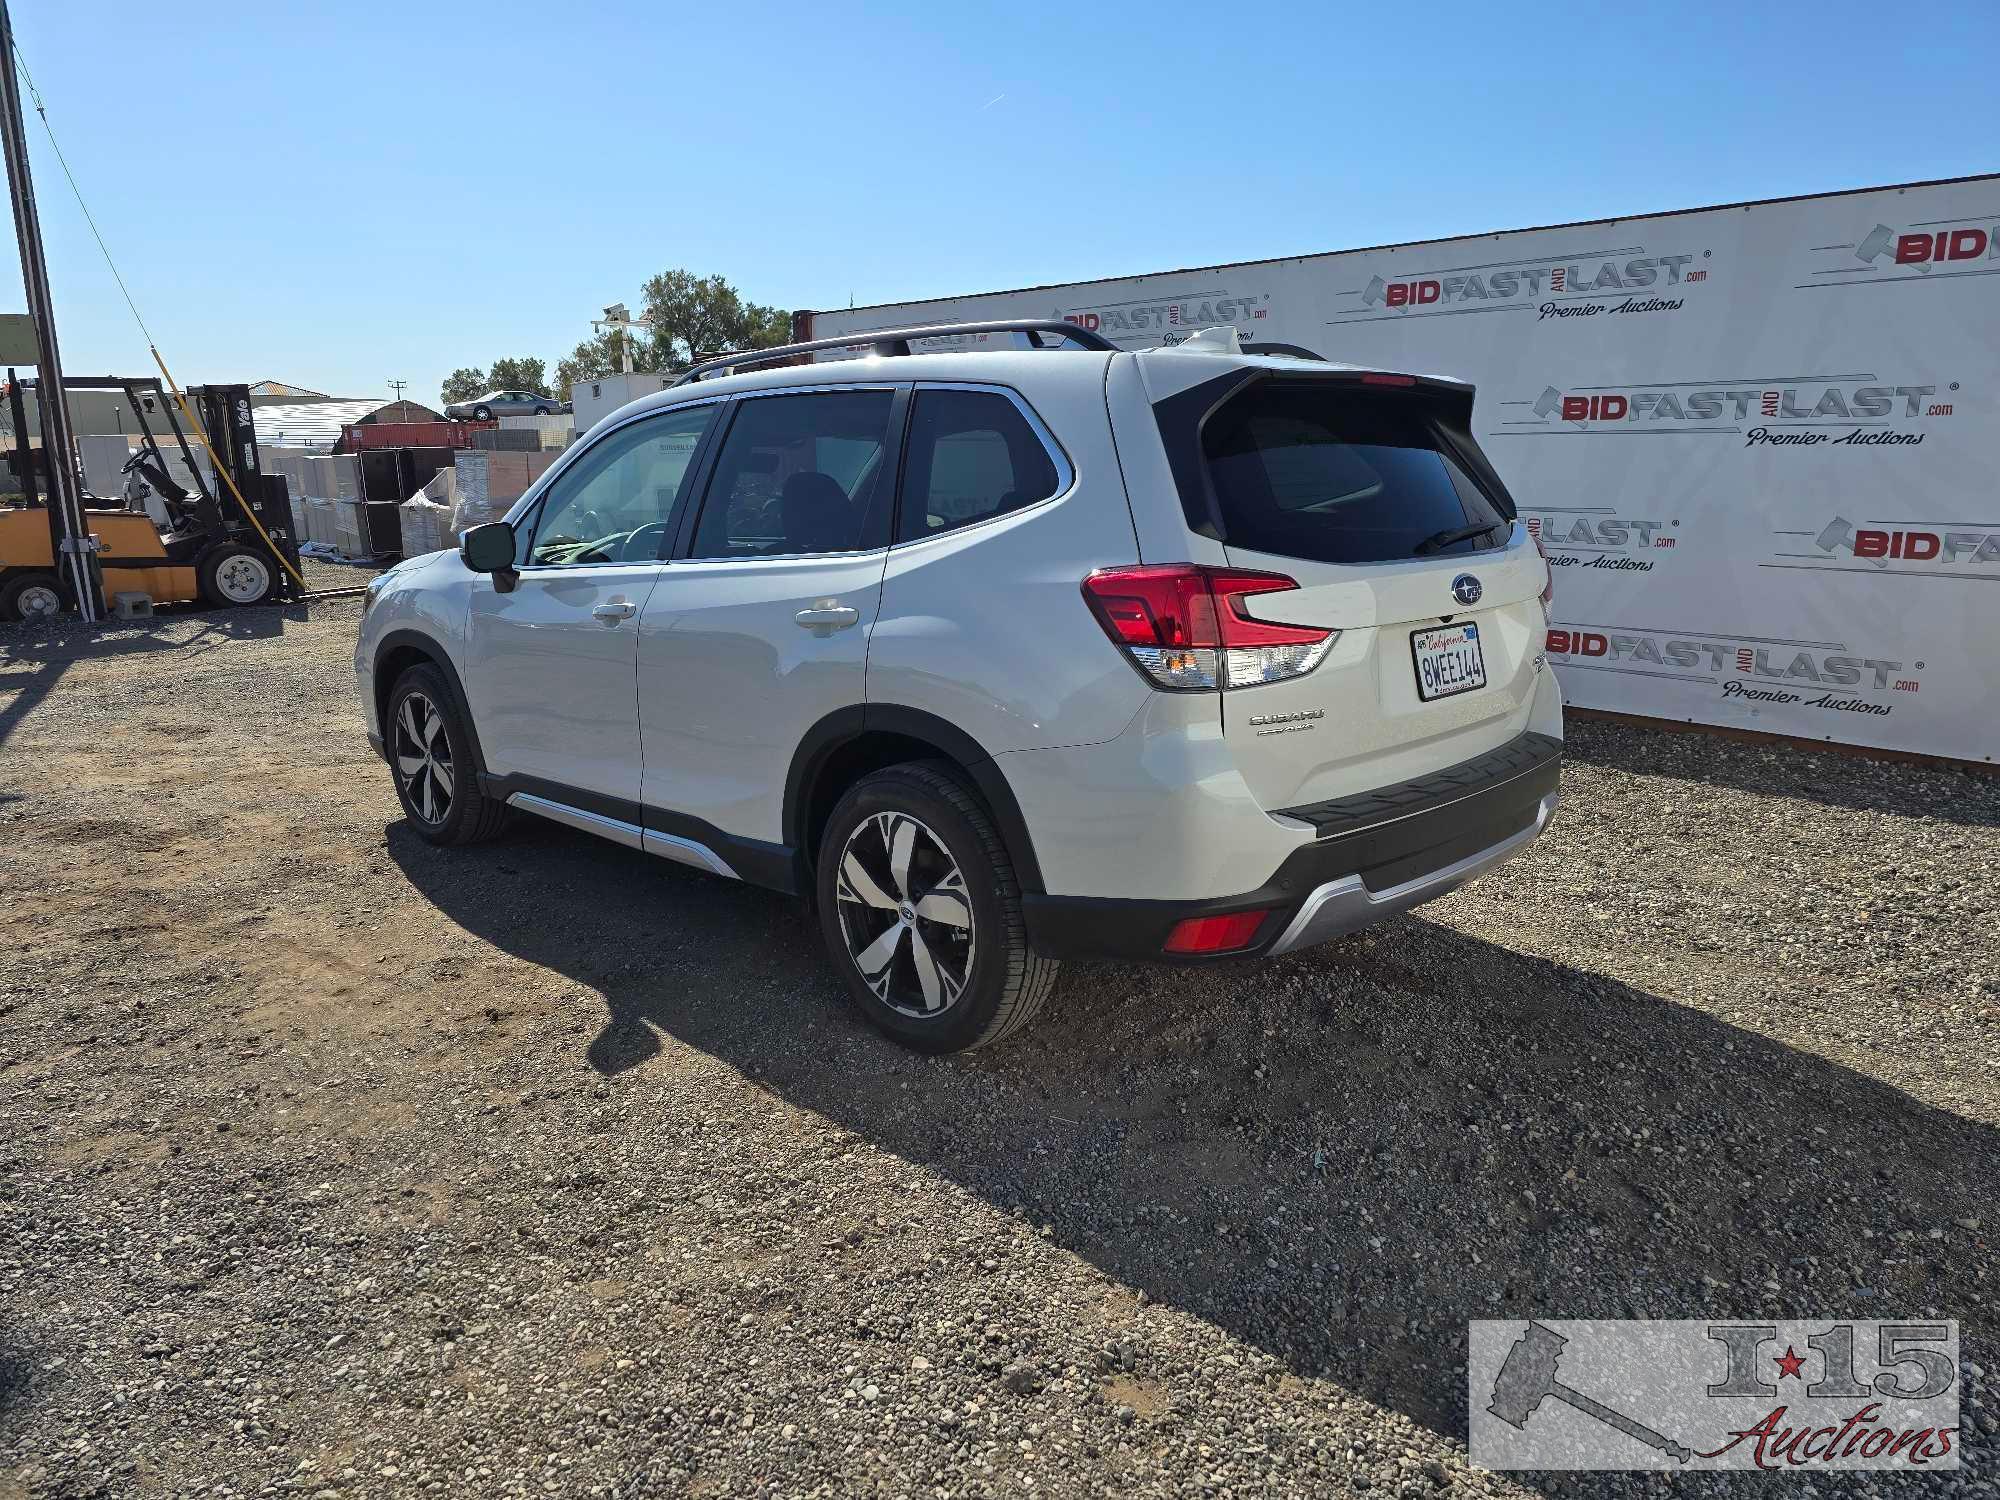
[972,456]
[1329,474]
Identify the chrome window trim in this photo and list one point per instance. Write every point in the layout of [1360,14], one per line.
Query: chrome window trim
[1065,470]
[877,553]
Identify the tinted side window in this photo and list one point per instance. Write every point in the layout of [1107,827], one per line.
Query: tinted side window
[614,503]
[797,474]
[972,456]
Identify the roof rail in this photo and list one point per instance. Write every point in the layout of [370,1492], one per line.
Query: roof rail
[896,341]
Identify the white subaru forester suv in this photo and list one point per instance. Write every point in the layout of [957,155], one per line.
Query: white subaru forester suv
[1000,655]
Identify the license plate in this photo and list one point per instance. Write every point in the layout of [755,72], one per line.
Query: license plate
[1449,660]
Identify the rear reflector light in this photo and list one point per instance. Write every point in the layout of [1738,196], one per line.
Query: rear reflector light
[1222,934]
[1185,626]
[1376,378]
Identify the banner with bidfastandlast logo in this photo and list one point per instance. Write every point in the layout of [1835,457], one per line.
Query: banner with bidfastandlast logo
[1757,442]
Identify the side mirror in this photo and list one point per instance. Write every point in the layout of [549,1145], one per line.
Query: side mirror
[488,548]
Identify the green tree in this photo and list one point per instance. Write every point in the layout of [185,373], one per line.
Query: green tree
[687,317]
[463,384]
[692,316]
[526,374]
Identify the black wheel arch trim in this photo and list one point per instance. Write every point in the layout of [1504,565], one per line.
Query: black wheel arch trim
[843,726]
[434,655]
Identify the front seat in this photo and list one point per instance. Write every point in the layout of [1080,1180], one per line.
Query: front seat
[818,517]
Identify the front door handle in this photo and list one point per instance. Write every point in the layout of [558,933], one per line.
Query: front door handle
[824,619]
[616,610]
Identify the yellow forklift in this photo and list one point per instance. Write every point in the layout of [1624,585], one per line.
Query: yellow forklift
[159,539]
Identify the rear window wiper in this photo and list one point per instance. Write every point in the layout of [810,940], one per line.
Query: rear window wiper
[1443,539]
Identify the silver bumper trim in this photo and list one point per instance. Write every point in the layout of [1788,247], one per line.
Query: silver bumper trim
[668,846]
[1346,905]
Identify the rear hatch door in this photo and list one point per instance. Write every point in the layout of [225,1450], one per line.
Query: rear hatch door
[1370,493]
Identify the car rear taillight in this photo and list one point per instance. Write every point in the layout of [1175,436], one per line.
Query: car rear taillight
[1549,573]
[1185,626]
[1223,934]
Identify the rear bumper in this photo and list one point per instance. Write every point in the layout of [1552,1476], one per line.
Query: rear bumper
[1347,904]
[1377,855]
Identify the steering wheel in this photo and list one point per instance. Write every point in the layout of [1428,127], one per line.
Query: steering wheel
[643,545]
[133,462]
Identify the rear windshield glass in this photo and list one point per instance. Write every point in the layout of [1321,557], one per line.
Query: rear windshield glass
[1333,475]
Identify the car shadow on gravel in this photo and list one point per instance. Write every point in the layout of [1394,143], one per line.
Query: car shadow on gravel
[1339,1157]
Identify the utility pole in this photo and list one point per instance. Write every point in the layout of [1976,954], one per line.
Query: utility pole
[69,532]
[395,385]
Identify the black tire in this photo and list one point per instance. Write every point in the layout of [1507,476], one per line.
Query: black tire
[545,411]
[20,584]
[1004,983]
[230,575]
[482,413]
[464,814]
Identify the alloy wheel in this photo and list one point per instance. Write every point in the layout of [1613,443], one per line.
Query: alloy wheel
[905,914]
[423,758]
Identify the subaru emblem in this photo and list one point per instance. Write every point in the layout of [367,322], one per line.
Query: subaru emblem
[1465,589]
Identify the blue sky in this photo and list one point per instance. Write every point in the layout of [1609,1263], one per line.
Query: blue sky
[338,195]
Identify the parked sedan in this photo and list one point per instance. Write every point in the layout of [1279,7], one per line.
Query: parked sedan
[503,404]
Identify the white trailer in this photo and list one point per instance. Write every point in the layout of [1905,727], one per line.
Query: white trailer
[591,401]
[1752,438]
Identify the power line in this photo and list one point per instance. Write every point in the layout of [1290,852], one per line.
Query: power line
[62,161]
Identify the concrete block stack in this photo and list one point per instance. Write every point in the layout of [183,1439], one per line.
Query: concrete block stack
[550,432]
[290,464]
[490,483]
[506,440]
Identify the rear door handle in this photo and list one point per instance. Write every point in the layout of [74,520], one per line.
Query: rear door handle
[616,610]
[824,619]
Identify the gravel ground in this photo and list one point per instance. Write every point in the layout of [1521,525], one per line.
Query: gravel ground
[335,1165]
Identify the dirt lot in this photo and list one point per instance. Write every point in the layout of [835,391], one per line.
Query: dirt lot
[332,1164]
